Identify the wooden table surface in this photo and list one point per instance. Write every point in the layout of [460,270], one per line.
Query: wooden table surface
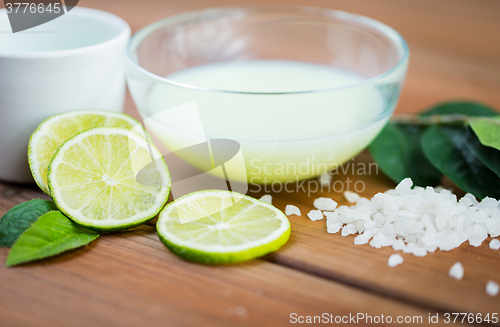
[131,279]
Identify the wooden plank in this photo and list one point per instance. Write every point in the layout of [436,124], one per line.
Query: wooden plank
[423,281]
[125,274]
[131,279]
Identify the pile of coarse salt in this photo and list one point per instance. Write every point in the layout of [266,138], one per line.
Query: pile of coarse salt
[417,220]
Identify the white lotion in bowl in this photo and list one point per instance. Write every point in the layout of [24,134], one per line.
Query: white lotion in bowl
[274,146]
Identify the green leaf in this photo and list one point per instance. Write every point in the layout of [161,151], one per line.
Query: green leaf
[490,157]
[20,217]
[446,148]
[398,153]
[461,108]
[487,130]
[51,234]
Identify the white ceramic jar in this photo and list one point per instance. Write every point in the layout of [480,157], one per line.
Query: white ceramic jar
[72,62]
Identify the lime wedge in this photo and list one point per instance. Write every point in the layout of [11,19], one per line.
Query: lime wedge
[105,179]
[215,227]
[55,130]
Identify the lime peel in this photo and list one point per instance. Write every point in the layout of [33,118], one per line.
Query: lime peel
[257,226]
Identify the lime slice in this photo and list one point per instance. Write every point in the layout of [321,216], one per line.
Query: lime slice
[105,179]
[55,130]
[214,227]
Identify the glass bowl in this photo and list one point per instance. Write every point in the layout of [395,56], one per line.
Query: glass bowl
[299,90]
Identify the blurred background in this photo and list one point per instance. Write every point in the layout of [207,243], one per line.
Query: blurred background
[454,44]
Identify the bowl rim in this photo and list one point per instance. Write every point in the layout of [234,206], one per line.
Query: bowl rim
[386,30]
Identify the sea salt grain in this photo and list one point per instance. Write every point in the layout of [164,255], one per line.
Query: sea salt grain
[315,215]
[415,220]
[292,210]
[394,260]
[267,198]
[325,204]
[492,288]
[456,271]
[351,196]
[495,244]
[325,179]
[363,238]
